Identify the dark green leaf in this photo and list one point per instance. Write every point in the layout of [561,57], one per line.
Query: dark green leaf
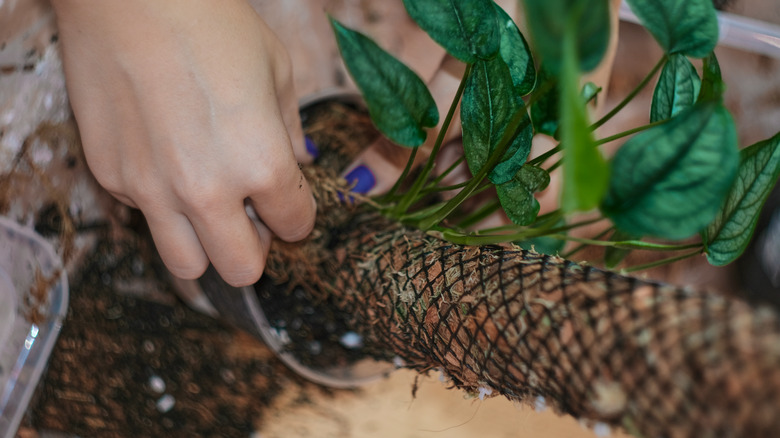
[549,20]
[516,156]
[670,180]
[614,255]
[544,112]
[467,29]
[677,89]
[590,92]
[517,195]
[488,106]
[515,52]
[729,234]
[398,101]
[585,173]
[689,27]
[712,86]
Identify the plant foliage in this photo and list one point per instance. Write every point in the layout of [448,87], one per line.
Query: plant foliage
[729,234]
[679,175]
[398,100]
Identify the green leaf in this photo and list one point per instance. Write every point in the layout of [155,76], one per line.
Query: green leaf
[712,85]
[677,89]
[517,195]
[729,234]
[516,156]
[544,112]
[590,92]
[515,52]
[689,27]
[467,29]
[585,172]
[670,180]
[398,100]
[488,106]
[550,20]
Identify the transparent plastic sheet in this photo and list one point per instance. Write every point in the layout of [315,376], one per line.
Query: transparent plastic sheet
[738,32]
[35,284]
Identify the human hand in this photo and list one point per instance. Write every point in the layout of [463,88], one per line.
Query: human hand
[187,111]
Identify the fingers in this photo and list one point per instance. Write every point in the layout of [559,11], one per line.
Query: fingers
[281,195]
[177,243]
[232,243]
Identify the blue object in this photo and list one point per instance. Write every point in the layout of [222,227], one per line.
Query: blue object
[362,179]
[312,148]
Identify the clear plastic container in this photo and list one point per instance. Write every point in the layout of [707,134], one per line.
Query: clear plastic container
[33,303]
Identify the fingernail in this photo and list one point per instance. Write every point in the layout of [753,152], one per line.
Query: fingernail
[361,178]
[311,147]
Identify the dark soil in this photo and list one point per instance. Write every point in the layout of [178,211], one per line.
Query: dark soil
[294,302]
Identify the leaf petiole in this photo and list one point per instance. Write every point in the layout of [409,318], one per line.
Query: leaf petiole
[663,262]
[412,196]
[631,95]
[408,168]
[626,133]
[629,244]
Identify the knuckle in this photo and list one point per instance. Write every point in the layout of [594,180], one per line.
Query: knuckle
[198,194]
[268,178]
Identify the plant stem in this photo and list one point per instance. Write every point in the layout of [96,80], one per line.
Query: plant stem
[629,244]
[512,130]
[606,140]
[629,132]
[412,196]
[664,261]
[631,95]
[542,158]
[411,218]
[582,246]
[555,165]
[446,172]
[486,210]
[433,189]
[403,176]
[521,234]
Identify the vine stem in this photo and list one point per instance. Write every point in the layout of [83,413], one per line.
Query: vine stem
[661,62]
[410,197]
[512,130]
[632,131]
[493,239]
[408,168]
[603,141]
[483,212]
[663,262]
[582,246]
[628,244]
[446,172]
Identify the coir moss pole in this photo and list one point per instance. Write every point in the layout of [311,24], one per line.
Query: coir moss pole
[655,359]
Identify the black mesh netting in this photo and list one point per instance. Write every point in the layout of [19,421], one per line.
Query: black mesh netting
[654,359]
